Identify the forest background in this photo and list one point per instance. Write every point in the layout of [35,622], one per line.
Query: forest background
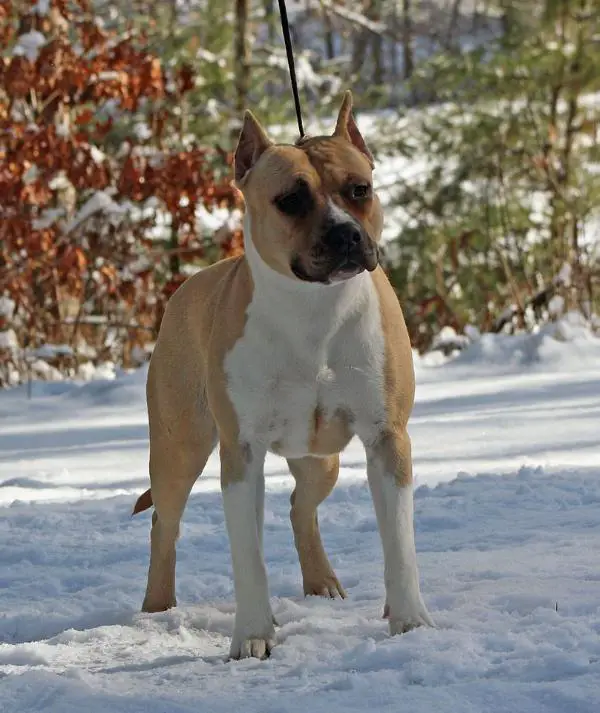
[118,121]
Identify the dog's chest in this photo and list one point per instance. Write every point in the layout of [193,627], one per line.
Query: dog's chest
[300,382]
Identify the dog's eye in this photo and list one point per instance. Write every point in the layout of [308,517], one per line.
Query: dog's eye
[359,191]
[296,202]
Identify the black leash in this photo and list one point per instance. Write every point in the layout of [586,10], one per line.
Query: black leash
[290,58]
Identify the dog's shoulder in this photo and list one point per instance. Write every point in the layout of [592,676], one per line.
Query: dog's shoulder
[213,288]
[388,300]
[212,299]
[399,369]
[207,282]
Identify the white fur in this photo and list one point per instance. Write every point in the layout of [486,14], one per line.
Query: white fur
[339,214]
[305,345]
[243,503]
[394,509]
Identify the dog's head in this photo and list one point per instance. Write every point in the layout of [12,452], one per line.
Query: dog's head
[313,213]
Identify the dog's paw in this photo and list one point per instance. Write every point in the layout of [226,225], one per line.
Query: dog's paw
[153,606]
[258,648]
[409,619]
[253,635]
[325,586]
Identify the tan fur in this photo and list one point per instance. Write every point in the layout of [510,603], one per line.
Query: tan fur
[346,128]
[325,163]
[315,478]
[188,403]
[399,381]
[184,405]
[330,436]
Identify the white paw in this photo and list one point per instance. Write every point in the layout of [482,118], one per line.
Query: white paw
[253,637]
[257,648]
[407,618]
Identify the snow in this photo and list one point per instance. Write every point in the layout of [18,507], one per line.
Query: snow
[40,369]
[48,216]
[142,131]
[31,174]
[29,45]
[556,305]
[7,307]
[60,182]
[564,275]
[8,340]
[546,348]
[98,156]
[51,351]
[448,340]
[507,465]
[42,7]
[218,222]
[99,202]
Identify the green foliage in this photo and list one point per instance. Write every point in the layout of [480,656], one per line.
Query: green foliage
[512,190]
[201,37]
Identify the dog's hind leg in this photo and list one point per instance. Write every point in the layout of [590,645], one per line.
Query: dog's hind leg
[315,478]
[175,464]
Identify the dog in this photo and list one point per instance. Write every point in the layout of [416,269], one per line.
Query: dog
[294,347]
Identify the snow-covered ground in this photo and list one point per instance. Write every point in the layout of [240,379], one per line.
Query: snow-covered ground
[506,443]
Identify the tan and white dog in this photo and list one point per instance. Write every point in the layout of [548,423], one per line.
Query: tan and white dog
[293,348]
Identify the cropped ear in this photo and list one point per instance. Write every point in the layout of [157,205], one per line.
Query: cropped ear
[252,143]
[347,128]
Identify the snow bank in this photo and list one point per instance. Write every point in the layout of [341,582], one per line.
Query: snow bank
[569,344]
[120,388]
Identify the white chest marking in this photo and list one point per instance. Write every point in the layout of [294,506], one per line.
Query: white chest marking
[305,346]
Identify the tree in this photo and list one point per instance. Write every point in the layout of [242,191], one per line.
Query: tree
[100,190]
[241,56]
[505,218]
[407,39]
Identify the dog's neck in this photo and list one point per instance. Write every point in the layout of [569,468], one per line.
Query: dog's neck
[293,298]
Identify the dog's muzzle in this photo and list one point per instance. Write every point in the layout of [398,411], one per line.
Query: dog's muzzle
[343,251]
[350,248]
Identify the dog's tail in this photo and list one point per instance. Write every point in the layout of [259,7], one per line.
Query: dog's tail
[143,502]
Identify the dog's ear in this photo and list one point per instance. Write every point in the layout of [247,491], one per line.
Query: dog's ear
[252,143]
[347,128]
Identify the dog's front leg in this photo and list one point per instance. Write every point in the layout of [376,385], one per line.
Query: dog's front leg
[242,482]
[389,470]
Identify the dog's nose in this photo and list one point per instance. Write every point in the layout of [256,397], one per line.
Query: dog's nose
[342,237]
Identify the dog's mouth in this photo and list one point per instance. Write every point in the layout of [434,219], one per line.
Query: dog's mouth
[298,269]
[336,270]
[348,269]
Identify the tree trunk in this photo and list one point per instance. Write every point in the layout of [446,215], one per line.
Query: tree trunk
[241,54]
[360,42]
[407,39]
[454,15]
[329,38]
[269,6]
[270,19]
[174,259]
[394,42]
[377,48]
